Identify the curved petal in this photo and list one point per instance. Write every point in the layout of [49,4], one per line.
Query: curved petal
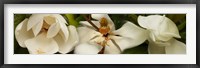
[163,28]
[151,21]
[130,35]
[111,48]
[41,45]
[60,18]
[35,19]
[86,48]
[67,46]
[176,47]
[64,31]
[37,28]
[87,24]
[49,20]
[156,48]
[21,34]
[53,30]
[86,34]
[152,36]
[100,16]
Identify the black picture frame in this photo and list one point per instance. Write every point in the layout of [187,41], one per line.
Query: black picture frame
[2,2]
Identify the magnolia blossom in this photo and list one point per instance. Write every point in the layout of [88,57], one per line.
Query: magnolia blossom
[46,34]
[106,39]
[162,31]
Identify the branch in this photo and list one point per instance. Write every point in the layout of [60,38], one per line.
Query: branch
[91,22]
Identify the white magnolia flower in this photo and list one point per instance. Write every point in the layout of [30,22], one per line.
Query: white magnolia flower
[106,39]
[46,34]
[162,30]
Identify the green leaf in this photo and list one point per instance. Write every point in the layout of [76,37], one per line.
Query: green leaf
[118,19]
[71,20]
[181,26]
[133,18]
[141,49]
[80,18]
[28,15]
[176,17]
[183,37]
[18,18]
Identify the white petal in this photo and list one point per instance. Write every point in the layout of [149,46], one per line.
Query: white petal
[163,28]
[99,16]
[111,48]
[53,30]
[155,48]
[60,18]
[21,34]
[150,22]
[67,46]
[87,24]
[130,35]
[64,31]
[86,34]
[41,45]
[35,19]
[152,36]
[49,20]
[37,28]
[86,48]
[176,47]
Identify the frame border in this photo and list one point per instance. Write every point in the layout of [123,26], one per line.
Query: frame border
[2,2]
[99,2]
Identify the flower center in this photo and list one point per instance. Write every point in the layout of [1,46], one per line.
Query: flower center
[104,28]
[47,22]
[102,39]
[45,26]
[49,19]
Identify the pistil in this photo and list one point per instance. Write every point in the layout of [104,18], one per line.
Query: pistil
[104,29]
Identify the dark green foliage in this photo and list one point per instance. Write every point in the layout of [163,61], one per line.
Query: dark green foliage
[176,17]
[118,19]
[79,18]
[133,18]
[71,19]
[141,49]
